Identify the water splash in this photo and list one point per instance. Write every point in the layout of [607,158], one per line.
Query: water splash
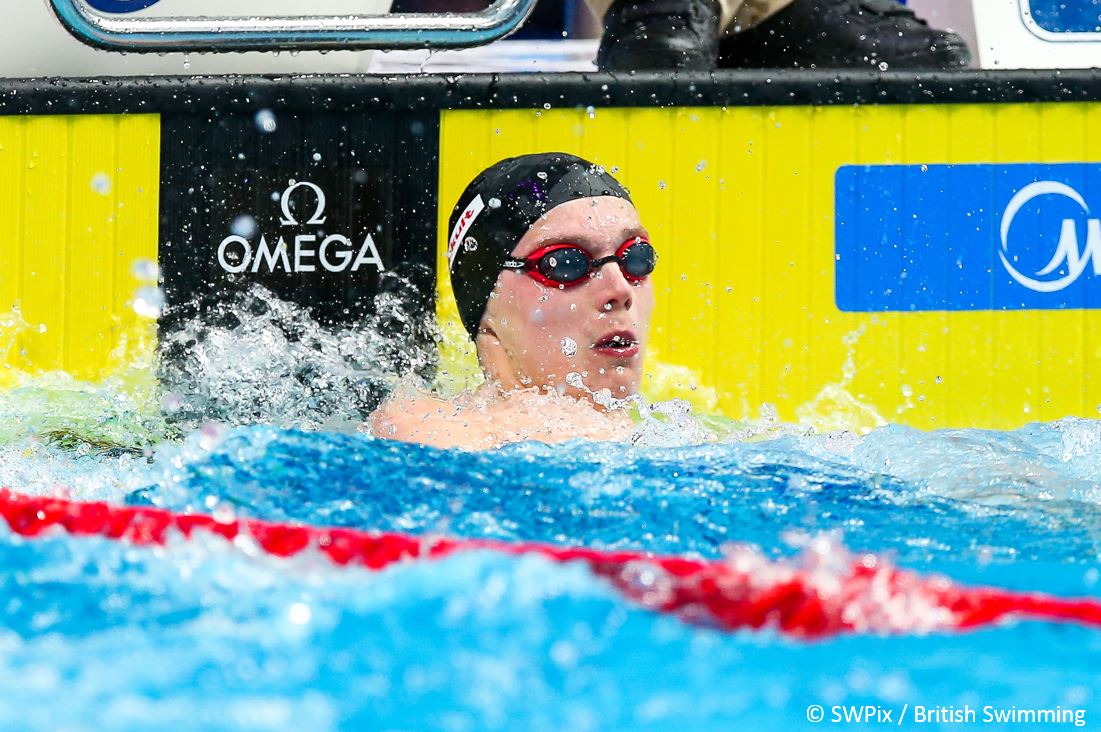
[835,407]
[482,641]
[254,358]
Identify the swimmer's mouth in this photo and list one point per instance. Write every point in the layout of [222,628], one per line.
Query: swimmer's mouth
[622,344]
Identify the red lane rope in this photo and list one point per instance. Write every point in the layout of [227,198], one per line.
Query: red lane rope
[744,590]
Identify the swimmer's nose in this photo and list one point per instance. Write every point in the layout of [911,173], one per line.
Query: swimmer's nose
[614,289]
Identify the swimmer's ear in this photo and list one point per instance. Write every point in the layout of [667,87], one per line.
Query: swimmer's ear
[485,330]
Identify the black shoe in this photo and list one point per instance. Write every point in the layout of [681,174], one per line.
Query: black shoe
[844,33]
[660,34]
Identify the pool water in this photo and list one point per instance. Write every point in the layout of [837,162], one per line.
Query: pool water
[211,634]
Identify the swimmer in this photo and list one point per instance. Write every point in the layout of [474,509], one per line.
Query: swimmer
[551,266]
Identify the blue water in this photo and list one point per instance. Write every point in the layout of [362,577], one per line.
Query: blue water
[210,635]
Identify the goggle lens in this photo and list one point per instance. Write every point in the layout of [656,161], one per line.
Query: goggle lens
[564,265]
[638,260]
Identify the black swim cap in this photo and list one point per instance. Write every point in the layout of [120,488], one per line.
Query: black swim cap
[498,208]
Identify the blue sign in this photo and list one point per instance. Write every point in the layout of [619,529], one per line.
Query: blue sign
[1066,16]
[968,237]
[121,6]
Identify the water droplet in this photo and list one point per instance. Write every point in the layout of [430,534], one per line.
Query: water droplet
[243,226]
[223,513]
[882,65]
[569,347]
[145,270]
[317,157]
[495,202]
[541,175]
[700,166]
[661,184]
[211,435]
[647,583]
[299,613]
[591,112]
[470,244]
[265,121]
[101,183]
[149,301]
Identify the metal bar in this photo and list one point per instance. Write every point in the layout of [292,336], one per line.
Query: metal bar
[290,33]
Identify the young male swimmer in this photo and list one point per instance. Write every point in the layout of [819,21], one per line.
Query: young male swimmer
[550,266]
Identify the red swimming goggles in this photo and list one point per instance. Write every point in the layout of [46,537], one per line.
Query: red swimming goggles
[565,265]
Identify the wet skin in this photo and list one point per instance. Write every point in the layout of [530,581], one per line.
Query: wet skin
[521,352]
[534,335]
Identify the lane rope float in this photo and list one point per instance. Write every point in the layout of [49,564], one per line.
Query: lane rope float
[744,590]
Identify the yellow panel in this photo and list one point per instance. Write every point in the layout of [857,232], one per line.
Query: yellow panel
[44,240]
[689,259]
[137,208]
[740,170]
[79,194]
[740,204]
[13,168]
[89,245]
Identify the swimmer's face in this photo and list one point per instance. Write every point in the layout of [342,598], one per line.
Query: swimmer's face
[598,329]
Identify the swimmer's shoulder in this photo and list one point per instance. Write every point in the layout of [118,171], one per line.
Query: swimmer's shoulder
[429,420]
[484,420]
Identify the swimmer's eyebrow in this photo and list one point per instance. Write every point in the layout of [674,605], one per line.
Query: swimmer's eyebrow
[588,243]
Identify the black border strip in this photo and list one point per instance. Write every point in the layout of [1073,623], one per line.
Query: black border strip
[364,93]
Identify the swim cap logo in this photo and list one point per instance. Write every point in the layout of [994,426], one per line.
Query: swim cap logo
[1068,256]
[462,226]
[336,252]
